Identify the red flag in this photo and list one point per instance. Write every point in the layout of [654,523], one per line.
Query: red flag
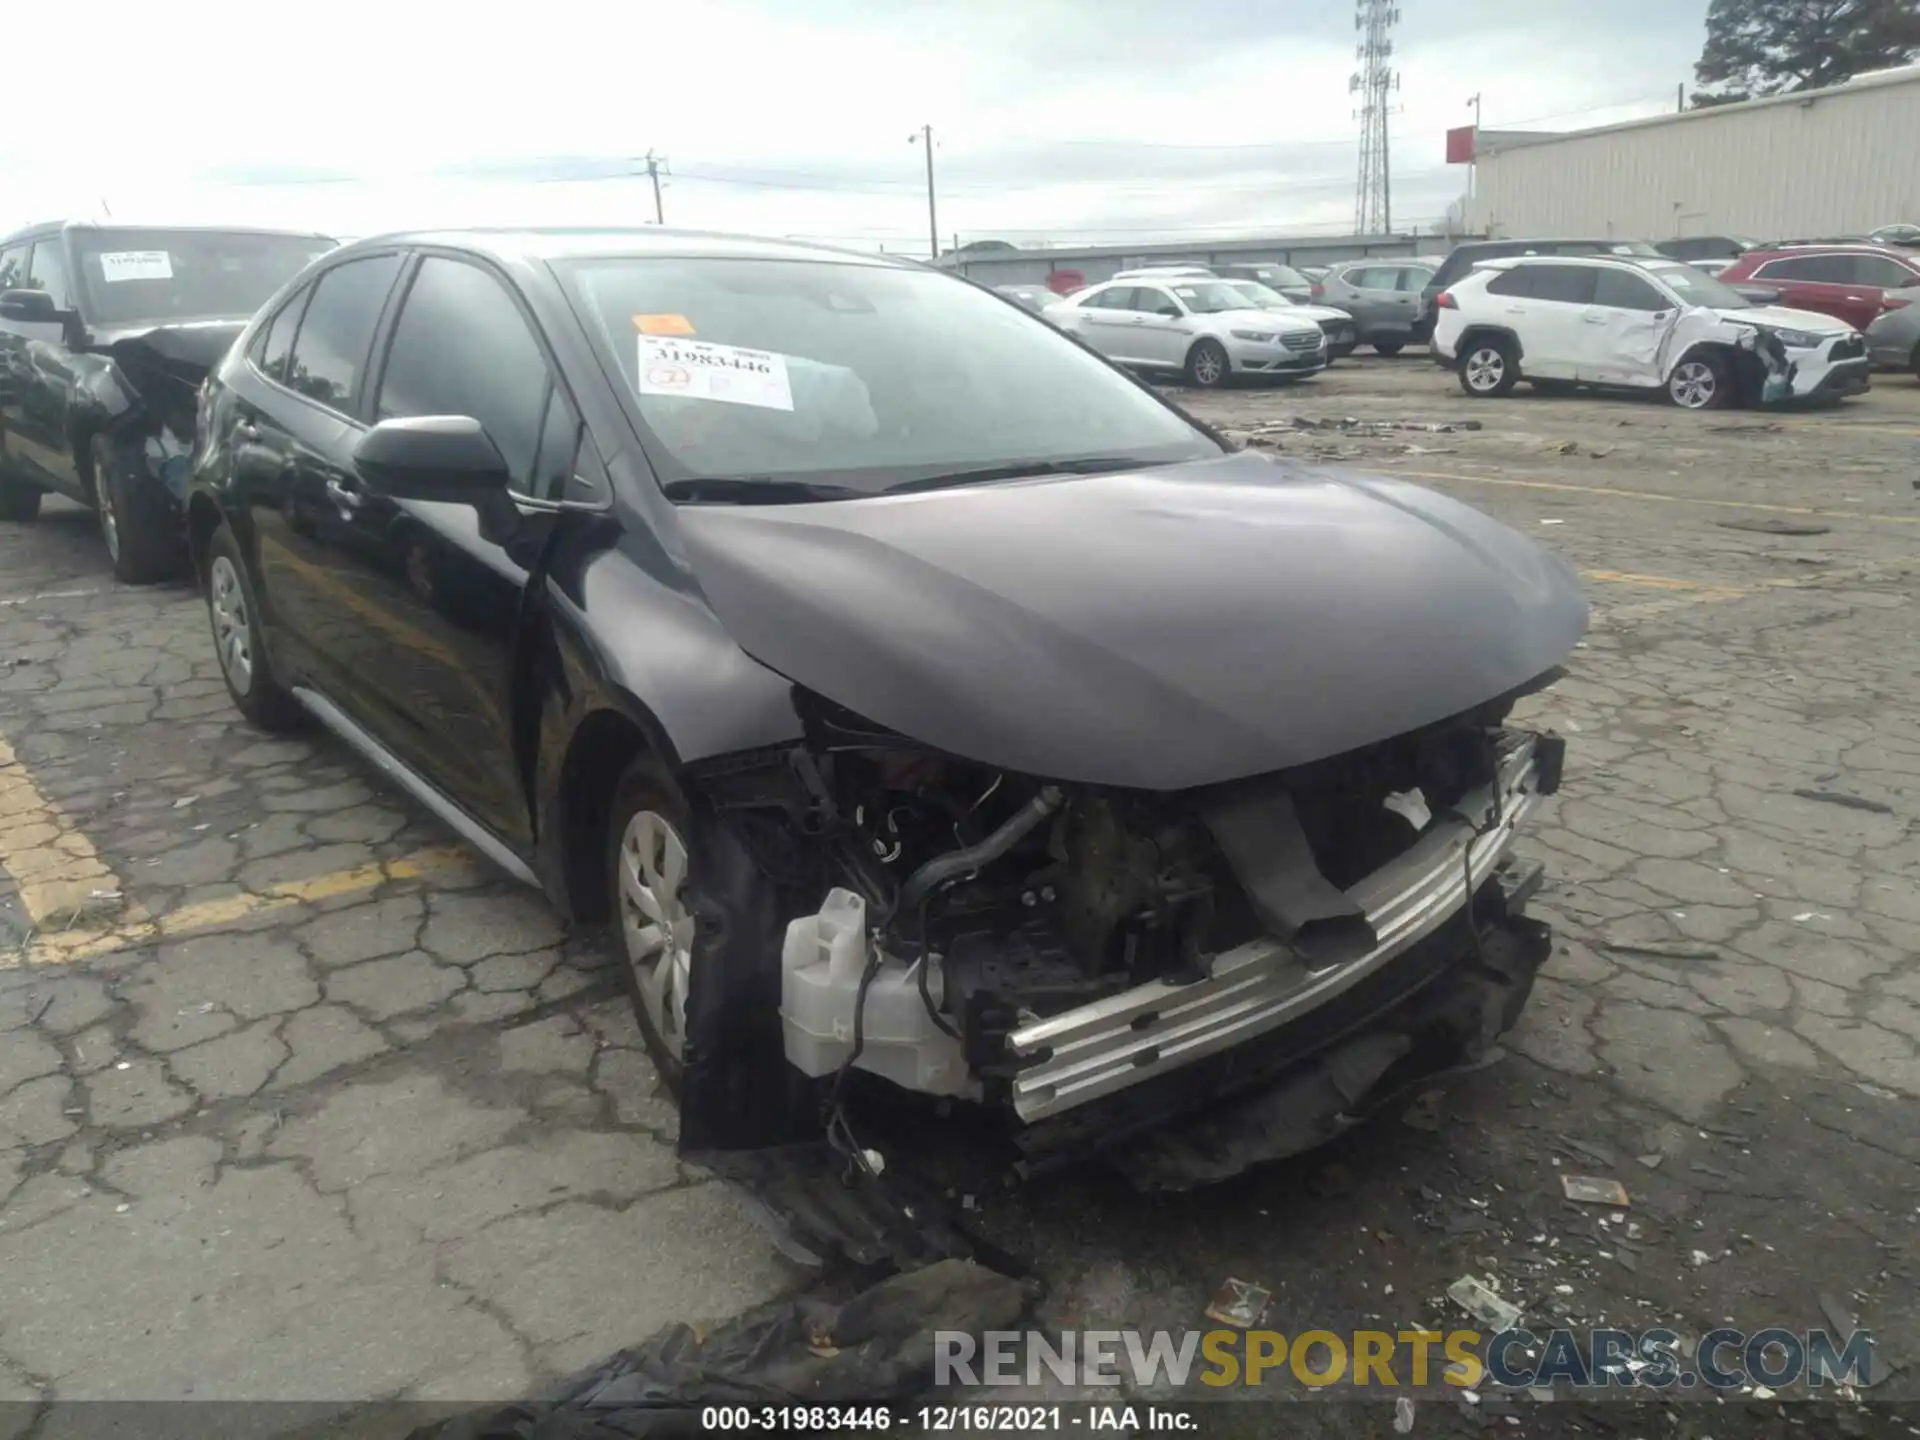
[1460,145]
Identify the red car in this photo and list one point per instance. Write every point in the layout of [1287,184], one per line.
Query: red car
[1849,282]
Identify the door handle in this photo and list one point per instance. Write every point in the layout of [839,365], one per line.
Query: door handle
[1136,319]
[1516,310]
[347,498]
[1595,319]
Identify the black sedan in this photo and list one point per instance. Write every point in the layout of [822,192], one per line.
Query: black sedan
[918,693]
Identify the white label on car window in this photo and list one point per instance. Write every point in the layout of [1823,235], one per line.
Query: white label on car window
[117,265]
[699,370]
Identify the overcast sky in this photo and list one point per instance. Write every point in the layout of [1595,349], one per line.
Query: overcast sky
[1068,120]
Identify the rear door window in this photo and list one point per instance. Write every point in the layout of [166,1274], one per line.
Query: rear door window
[1565,284]
[1413,278]
[329,358]
[1813,269]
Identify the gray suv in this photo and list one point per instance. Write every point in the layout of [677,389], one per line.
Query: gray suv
[1383,296]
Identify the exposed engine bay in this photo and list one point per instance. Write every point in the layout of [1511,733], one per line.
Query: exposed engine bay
[976,934]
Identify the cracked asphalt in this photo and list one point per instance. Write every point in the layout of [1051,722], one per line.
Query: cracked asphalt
[301,1101]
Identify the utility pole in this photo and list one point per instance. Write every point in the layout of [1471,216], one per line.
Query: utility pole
[1680,97]
[655,164]
[1374,82]
[1473,165]
[924,138]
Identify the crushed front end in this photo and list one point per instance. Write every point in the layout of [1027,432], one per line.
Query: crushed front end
[1091,963]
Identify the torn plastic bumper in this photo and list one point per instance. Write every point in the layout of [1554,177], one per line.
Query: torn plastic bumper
[1080,1055]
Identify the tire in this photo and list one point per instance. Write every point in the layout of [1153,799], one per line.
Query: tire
[141,530]
[18,500]
[1207,365]
[1700,381]
[1916,362]
[1388,348]
[1488,367]
[647,829]
[233,612]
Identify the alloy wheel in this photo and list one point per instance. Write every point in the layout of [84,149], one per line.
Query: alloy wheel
[1693,385]
[109,522]
[1206,368]
[1486,368]
[655,923]
[232,623]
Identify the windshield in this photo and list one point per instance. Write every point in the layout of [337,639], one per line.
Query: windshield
[854,377]
[1696,287]
[1210,297]
[1260,297]
[133,275]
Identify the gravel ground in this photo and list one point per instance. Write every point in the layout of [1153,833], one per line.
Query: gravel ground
[329,1112]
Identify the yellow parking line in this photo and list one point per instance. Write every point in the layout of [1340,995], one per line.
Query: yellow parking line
[1660,582]
[60,876]
[63,947]
[1656,496]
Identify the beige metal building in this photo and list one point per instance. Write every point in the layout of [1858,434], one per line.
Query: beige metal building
[1823,162]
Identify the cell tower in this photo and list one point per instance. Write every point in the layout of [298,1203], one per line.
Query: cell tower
[1375,82]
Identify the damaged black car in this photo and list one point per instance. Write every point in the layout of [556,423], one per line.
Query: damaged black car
[929,706]
[106,332]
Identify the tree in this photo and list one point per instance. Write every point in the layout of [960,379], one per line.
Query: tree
[1770,47]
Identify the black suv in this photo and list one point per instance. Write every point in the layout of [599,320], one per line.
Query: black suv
[1468,253]
[105,333]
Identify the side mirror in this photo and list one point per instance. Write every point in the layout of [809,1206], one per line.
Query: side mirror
[33,307]
[430,457]
[1168,312]
[1758,294]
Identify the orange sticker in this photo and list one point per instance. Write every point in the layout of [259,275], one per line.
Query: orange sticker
[663,324]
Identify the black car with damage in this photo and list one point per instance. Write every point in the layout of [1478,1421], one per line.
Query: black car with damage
[106,332]
[934,711]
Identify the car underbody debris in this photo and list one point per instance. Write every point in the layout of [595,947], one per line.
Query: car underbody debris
[874,1347]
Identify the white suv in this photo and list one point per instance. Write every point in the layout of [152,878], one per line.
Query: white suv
[1563,320]
[1204,328]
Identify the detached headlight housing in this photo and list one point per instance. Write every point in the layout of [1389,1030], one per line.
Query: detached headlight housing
[1262,337]
[1800,339]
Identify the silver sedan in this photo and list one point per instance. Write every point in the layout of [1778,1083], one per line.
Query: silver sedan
[1894,339]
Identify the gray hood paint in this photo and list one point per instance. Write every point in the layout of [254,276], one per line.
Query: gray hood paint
[1156,629]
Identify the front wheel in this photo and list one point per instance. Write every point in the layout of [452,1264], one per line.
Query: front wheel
[18,501]
[235,616]
[1388,348]
[1487,368]
[140,528]
[649,856]
[1700,382]
[1207,365]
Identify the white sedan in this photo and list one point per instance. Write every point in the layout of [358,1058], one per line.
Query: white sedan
[1204,329]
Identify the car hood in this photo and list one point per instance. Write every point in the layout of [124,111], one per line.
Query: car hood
[1156,629]
[1221,321]
[1781,318]
[1319,314]
[189,349]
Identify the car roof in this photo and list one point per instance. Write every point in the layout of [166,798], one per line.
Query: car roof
[113,227]
[1828,247]
[1631,262]
[523,243]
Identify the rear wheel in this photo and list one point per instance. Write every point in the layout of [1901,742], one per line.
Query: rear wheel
[1700,382]
[18,500]
[1207,364]
[235,617]
[139,526]
[1487,367]
[1389,348]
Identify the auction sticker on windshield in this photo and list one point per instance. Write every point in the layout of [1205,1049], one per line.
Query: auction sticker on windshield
[699,370]
[117,265]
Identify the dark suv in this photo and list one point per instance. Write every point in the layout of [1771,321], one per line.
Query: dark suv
[1468,253]
[105,333]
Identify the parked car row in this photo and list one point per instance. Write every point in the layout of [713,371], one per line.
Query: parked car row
[717,588]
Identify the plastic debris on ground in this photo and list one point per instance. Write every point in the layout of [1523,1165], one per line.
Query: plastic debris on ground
[1239,1303]
[877,1346]
[1403,1416]
[1593,1190]
[1479,1300]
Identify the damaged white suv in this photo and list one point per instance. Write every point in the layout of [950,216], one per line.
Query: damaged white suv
[1564,320]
